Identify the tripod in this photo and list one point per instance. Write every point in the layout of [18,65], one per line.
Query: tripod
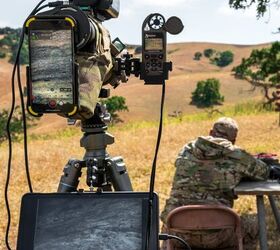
[103,171]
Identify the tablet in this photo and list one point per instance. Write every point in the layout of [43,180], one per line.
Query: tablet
[106,221]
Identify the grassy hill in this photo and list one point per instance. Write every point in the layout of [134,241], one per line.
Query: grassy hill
[135,139]
[143,100]
[48,155]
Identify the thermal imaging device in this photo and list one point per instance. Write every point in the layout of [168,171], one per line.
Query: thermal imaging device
[97,221]
[52,72]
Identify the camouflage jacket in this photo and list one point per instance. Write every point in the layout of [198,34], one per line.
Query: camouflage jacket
[95,69]
[208,169]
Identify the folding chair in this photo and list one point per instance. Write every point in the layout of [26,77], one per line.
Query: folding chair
[203,217]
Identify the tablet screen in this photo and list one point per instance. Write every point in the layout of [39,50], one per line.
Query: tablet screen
[86,223]
[51,56]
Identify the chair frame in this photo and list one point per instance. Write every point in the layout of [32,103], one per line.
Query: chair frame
[203,217]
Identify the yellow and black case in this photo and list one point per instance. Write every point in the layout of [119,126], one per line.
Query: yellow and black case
[52,74]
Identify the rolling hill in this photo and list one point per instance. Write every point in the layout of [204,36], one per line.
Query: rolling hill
[47,155]
[143,101]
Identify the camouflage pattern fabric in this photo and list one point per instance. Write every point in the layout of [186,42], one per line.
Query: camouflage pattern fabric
[207,170]
[94,69]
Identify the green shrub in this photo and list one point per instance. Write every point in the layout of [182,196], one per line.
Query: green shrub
[15,125]
[6,41]
[209,53]
[8,30]
[2,54]
[197,56]
[24,55]
[11,40]
[223,59]
[115,104]
[207,93]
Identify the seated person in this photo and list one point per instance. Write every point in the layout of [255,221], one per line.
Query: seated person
[207,171]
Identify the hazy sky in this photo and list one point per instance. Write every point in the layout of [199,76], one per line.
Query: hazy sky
[204,20]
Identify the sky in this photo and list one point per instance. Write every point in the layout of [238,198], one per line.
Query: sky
[204,20]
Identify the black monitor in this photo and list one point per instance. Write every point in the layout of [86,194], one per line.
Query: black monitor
[86,221]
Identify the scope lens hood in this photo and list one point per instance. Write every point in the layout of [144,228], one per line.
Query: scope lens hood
[84,32]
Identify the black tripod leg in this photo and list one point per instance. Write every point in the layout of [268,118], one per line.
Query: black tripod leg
[70,180]
[119,174]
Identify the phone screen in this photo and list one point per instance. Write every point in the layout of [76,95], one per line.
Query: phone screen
[51,61]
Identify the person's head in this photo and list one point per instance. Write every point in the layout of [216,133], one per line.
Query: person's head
[226,128]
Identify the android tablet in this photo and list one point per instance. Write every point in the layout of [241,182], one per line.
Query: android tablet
[106,221]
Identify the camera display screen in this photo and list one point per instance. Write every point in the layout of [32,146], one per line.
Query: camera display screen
[88,223]
[51,55]
[153,44]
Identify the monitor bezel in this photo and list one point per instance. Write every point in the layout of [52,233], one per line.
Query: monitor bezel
[29,206]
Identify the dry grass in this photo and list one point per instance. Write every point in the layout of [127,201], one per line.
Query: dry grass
[136,145]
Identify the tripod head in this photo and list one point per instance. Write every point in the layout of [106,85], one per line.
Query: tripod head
[95,141]
[97,123]
[103,171]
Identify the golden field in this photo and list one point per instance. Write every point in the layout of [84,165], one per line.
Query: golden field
[135,142]
[136,138]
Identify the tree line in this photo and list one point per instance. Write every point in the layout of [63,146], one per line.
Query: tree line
[11,42]
[218,58]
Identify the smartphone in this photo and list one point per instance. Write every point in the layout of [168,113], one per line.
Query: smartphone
[52,74]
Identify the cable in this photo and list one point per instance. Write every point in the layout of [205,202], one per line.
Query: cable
[58,3]
[51,5]
[35,10]
[23,105]
[42,7]
[15,68]
[24,113]
[10,142]
[153,173]
[24,131]
[9,160]
[170,237]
